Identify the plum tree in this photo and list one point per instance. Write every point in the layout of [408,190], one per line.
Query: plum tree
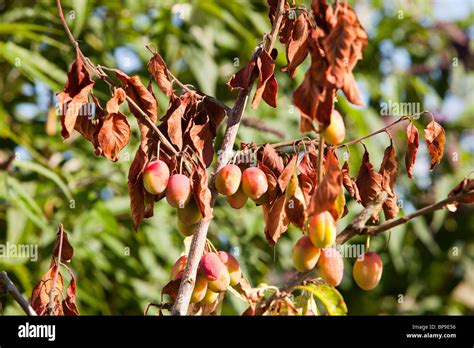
[305,254]
[254,183]
[367,270]
[303,188]
[156,176]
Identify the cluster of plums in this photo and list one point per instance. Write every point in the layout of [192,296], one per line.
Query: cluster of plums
[238,186]
[177,187]
[217,271]
[314,250]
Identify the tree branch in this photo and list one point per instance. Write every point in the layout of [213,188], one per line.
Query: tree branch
[200,233]
[373,230]
[299,142]
[7,286]
[384,129]
[358,227]
[256,123]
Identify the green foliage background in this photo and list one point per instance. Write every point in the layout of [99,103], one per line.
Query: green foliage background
[428,263]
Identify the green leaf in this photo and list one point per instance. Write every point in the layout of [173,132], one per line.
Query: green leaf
[306,302]
[81,11]
[329,297]
[46,173]
[33,65]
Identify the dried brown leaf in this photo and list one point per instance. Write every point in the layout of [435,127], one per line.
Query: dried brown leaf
[40,297]
[412,148]
[157,68]
[434,136]
[328,191]
[74,96]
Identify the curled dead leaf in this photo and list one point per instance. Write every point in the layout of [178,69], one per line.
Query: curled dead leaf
[412,148]
[434,136]
[74,96]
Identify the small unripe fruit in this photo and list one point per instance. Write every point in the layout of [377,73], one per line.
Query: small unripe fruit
[367,270]
[228,180]
[330,266]
[156,176]
[322,229]
[238,199]
[233,267]
[190,214]
[305,254]
[254,182]
[200,289]
[210,297]
[178,268]
[336,131]
[222,283]
[178,191]
[184,229]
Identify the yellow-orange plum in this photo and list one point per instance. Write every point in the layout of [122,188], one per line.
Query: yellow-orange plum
[156,176]
[233,267]
[305,254]
[238,199]
[185,229]
[190,214]
[178,190]
[178,268]
[367,270]
[200,289]
[330,266]
[254,183]
[228,180]
[322,229]
[210,297]
[336,131]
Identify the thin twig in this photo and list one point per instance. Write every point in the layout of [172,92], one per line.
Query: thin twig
[373,230]
[357,225]
[7,286]
[294,143]
[384,129]
[258,124]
